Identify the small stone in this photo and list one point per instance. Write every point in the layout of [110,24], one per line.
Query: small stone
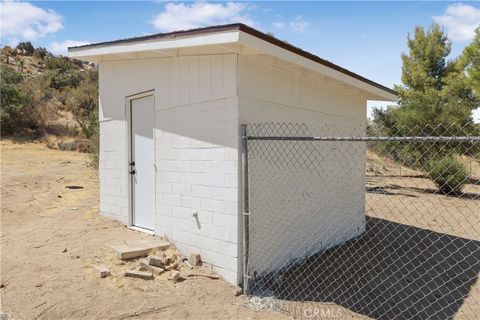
[175,276]
[103,271]
[147,267]
[64,250]
[195,259]
[157,261]
[139,274]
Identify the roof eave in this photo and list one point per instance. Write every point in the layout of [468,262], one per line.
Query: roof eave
[233,33]
[309,61]
[96,51]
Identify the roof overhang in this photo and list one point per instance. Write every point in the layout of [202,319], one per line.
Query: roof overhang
[237,38]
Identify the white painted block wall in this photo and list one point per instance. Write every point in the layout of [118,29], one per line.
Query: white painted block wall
[200,101]
[196,142]
[283,228]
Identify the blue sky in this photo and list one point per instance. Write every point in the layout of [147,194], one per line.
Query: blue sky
[365,37]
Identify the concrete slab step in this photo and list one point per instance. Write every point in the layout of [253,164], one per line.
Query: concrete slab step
[138,248]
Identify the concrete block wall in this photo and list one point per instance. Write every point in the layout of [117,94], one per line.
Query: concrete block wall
[113,170]
[199,103]
[196,149]
[296,212]
[197,182]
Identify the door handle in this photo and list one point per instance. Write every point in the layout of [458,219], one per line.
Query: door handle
[132,163]
[132,172]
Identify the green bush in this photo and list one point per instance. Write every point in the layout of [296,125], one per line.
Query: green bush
[27,47]
[58,63]
[449,174]
[9,75]
[12,100]
[59,79]
[94,151]
[41,53]
[61,73]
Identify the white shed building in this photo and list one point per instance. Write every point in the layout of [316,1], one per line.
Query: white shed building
[171,106]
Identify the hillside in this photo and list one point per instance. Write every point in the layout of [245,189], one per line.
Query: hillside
[48,98]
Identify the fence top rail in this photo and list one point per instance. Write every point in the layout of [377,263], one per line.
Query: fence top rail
[470,139]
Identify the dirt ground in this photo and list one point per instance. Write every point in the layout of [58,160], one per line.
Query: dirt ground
[420,256]
[52,235]
[418,259]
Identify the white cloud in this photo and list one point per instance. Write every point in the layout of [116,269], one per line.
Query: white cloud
[298,25]
[278,24]
[180,16]
[460,21]
[24,21]
[61,47]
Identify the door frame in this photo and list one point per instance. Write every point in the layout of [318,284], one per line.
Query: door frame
[128,116]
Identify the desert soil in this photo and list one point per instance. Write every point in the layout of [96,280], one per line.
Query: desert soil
[52,235]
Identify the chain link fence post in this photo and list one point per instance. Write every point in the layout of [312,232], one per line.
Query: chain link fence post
[246,208]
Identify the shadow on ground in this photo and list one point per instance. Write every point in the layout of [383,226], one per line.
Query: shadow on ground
[386,190]
[391,271]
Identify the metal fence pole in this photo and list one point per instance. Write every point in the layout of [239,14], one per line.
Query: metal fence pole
[246,208]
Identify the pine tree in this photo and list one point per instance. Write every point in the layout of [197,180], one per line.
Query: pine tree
[435,92]
[471,59]
[424,66]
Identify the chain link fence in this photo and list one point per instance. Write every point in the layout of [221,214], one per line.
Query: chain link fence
[354,222]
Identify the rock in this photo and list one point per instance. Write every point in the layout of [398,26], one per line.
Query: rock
[139,274]
[147,267]
[175,276]
[195,259]
[140,248]
[103,271]
[64,250]
[158,261]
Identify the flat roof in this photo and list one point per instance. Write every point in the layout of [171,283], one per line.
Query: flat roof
[236,27]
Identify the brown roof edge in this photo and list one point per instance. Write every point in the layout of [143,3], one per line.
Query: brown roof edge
[251,31]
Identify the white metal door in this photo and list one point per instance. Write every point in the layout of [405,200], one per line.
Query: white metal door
[142,165]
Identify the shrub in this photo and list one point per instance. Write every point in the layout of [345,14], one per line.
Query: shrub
[83,103]
[26,47]
[58,63]
[12,107]
[12,100]
[10,76]
[60,73]
[94,157]
[40,53]
[59,79]
[38,109]
[449,174]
